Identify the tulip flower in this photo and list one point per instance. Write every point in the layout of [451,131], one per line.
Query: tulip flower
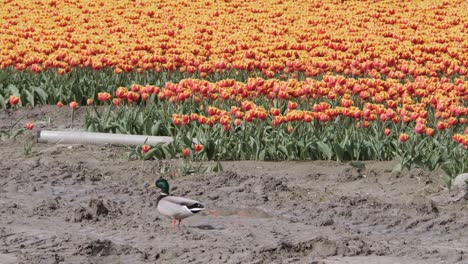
[197,147]
[292,105]
[176,120]
[121,92]
[104,97]
[73,105]
[145,148]
[420,128]
[133,97]
[403,137]
[275,111]
[14,100]
[441,125]
[185,152]
[135,88]
[185,119]
[59,104]
[144,96]
[430,132]
[387,131]
[29,126]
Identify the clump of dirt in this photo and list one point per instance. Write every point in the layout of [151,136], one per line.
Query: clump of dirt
[96,210]
[319,247]
[103,248]
[82,214]
[424,206]
[47,206]
[350,174]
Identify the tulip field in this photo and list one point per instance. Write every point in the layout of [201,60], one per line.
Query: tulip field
[251,80]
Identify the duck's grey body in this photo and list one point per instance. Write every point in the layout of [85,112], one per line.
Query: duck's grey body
[178,207]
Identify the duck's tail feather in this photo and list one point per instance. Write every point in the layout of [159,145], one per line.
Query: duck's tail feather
[196,207]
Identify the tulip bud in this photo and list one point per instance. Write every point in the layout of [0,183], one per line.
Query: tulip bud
[387,131]
[73,105]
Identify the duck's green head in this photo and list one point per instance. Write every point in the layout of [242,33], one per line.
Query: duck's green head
[163,185]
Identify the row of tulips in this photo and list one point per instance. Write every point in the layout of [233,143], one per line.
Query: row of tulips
[441,93]
[250,120]
[364,100]
[48,87]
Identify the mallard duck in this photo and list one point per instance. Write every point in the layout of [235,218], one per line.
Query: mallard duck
[176,208]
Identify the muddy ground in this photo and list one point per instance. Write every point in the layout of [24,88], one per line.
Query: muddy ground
[89,204]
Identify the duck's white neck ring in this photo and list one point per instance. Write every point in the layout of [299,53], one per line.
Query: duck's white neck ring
[163,193]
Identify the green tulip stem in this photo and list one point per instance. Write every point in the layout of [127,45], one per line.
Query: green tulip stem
[72,117]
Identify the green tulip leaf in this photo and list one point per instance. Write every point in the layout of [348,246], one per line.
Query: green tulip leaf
[358,164]
[325,149]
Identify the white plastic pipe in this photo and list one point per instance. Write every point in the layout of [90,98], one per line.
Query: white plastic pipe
[78,137]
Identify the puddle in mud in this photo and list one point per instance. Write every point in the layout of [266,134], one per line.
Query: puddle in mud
[8,259]
[67,192]
[207,227]
[243,212]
